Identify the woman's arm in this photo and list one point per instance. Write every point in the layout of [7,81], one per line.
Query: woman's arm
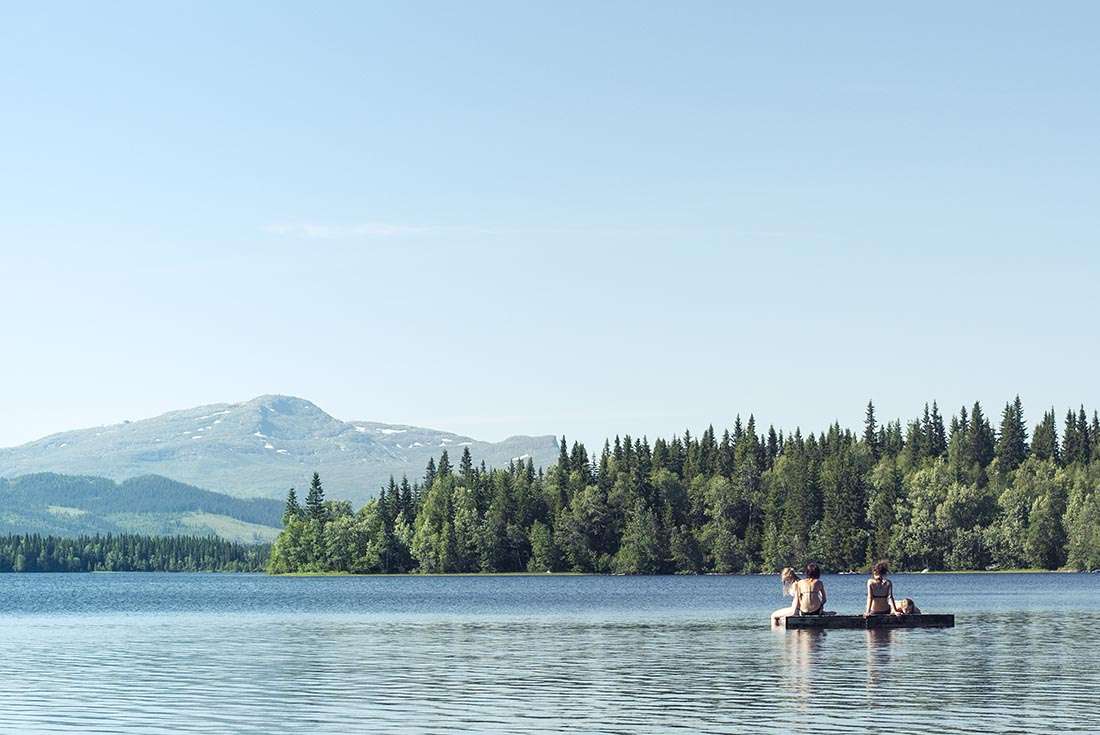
[893,605]
[868,610]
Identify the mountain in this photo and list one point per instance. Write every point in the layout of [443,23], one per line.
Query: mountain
[261,448]
[64,505]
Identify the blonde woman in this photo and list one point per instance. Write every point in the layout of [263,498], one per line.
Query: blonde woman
[788,578]
[908,607]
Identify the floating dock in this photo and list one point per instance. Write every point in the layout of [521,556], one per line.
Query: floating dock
[873,622]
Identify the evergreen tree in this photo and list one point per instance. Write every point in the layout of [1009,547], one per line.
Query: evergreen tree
[773,447]
[1044,442]
[444,465]
[466,467]
[429,474]
[408,508]
[841,540]
[1012,439]
[936,436]
[982,447]
[315,500]
[1094,432]
[870,430]
[916,441]
[1088,438]
[292,509]
[1076,443]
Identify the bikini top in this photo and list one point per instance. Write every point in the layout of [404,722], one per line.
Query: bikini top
[806,592]
[884,586]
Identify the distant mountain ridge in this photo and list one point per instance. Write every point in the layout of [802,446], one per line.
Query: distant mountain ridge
[66,505]
[260,448]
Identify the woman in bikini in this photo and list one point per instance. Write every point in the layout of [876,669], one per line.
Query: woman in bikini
[787,577]
[880,592]
[809,593]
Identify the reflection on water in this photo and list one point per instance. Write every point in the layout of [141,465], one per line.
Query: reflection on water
[520,655]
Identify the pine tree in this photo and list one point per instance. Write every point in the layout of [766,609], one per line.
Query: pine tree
[725,455]
[292,509]
[1077,441]
[1044,442]
[981,449]
[466,467]
[774,445]
[870,430]
[429,475]
[936,436]
[1087,437]
[841,541]
[1012,440]
[916,445]
[389,502]
[408,509]
[578,462]
[1094,432]
[444,465]
[315,500]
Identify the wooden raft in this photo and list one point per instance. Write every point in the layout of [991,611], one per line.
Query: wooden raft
[875,622]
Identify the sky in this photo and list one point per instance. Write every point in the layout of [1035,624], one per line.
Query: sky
[526,218]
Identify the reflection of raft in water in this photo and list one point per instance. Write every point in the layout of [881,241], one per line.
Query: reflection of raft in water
[818,622]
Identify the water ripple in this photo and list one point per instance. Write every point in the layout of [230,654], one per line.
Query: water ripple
[522,655]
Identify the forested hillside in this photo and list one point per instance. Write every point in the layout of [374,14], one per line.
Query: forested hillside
[66,505]
[968,495]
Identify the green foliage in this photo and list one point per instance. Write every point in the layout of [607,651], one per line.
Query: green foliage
[545,556]
[1044,442]
[841,539]
[1012,441]
[68,505]
[128,553]
[1082,519]
[292,509]
[315,500]
[886,487]
[933,498]
[642,551]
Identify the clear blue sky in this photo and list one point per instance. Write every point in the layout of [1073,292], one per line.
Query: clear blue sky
[588,218]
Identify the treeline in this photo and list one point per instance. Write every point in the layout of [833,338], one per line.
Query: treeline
[924,494]
[129,553]
[146,494]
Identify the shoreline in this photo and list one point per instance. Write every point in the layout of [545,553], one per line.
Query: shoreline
[597,574]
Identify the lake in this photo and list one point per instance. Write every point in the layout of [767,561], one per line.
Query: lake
[194,653]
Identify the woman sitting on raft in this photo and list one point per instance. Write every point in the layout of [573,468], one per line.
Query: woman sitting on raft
[809,593]
[788,578]
[880,592]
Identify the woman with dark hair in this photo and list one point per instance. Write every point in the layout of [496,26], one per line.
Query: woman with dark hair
[810,592]
[880,591]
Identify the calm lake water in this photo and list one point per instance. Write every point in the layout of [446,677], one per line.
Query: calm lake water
[188,653]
